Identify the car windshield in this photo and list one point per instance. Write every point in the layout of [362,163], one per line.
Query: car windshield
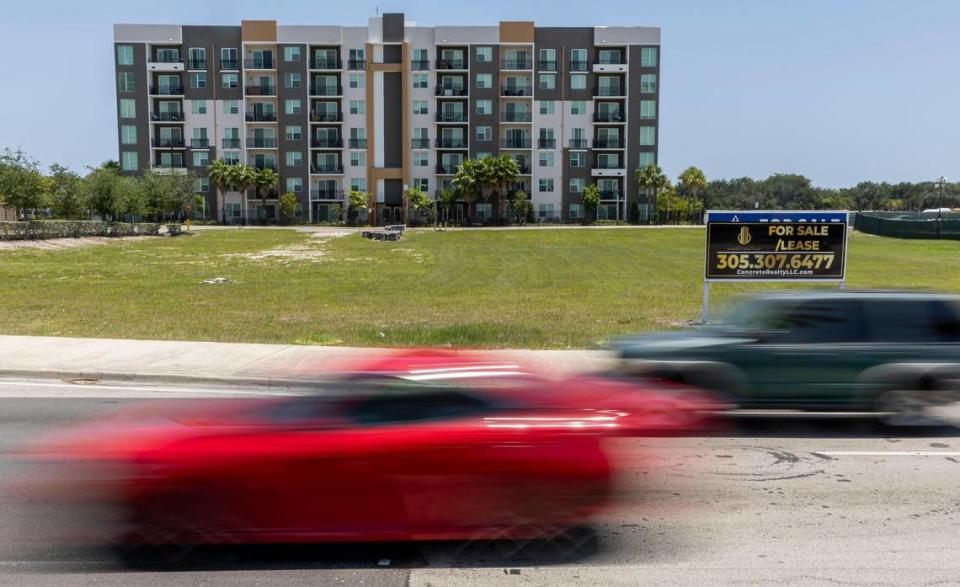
[757,314]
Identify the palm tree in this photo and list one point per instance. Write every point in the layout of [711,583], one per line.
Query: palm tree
[692,180]
[651,177]
[219,172]
[242,176]
[264,179]
[500,173]
[465,181]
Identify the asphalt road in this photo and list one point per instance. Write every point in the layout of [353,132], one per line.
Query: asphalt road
[784,500]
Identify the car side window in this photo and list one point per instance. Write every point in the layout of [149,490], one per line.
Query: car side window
[414,408]
[916,321]
[819,321]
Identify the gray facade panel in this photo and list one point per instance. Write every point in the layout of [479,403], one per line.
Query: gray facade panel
[633,128]
[139,95]
[561,40]
[283,120]
[213,39]
[392,54]
[393,28]
[393,144]
[493,94]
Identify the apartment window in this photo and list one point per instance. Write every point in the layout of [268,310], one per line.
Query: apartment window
[484,54]
[545,211]
[548,59]
[547,107]
[294,133]
[201,185]
[648,136]
[578,107]
[124,54]
[546,184]
[484,133]
[420,107]
[484,80]
[358,158]
[648,109]
[229,80]
[292,106]
[421,158]
[648,83]
[420,59]
[128,134]
[201,158]
[198,106]
[484,107]
[646,158]
[578,81]
[128,108]
[484,210]
[578,159]
[546,159]
[356,80]
[292,80]
[126,81]
[197,58]
[648,57]
[129,161]
[482,155]
[578,59]
[295,184]
[422,184]
[231,106]
[546,81]
[198,80]
[576,211]
[228,59]
[358,184]
[231,157]
[294,158]
[421,80]
[576,185]
[357,107]
[291,54]
[356,59]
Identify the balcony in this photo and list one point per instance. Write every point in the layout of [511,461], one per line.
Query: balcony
[166,90]
[326,169]
[168,142]
[608,168]
[451,64]
[547,65]
[454,92]
[608,144]
[611,195]
[161,63]
[420,143]
[447,168]
[515,144]
[199,64]
[608,116]
[233,143]
[420,65]
[577,144]
[517,91]
[270,194]
[327,64]
[547,143]
[357,64]
[167,117]
[325,90]
[259,64]
[514,116]
[229,64]
[607,91]
[260,90]
[265,165]
[170,168]
[326,116]
[523,168]
[256,116]
[521,64]
[318,193]
[451,143]
[200,143]
[451,117]
[358,143]
[610,67]
[326,143]
[578,66]
[261,142]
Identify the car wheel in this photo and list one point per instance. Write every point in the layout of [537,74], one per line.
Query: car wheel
[905,407]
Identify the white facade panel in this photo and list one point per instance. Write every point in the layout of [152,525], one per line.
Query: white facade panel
[316,35]
[626,35]
[449,35]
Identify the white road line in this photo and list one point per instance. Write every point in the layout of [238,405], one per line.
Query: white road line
[14,389]
[887,453]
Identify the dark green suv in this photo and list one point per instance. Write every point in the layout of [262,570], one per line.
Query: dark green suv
[837,350]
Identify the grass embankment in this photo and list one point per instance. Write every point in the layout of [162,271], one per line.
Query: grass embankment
[514,288]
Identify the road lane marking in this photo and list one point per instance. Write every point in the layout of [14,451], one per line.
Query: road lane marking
[887,453]
[43,389]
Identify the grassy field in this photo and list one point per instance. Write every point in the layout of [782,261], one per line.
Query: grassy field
[533,288]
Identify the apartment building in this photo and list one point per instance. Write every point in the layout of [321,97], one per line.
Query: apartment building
[393,105]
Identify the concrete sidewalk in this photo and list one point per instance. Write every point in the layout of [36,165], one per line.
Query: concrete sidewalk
[224,363]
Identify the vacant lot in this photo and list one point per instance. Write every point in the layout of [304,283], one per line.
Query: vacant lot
[516,288]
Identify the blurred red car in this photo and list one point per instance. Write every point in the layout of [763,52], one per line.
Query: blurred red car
[421,446]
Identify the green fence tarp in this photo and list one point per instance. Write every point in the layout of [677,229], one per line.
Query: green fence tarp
[907,225]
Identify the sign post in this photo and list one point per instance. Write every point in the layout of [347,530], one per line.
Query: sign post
[757,245]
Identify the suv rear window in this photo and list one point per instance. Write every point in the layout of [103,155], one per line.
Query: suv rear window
[913,321]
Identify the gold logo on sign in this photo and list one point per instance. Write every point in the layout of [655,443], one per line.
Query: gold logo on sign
[744,237]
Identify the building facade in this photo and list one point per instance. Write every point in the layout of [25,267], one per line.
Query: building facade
[393,105]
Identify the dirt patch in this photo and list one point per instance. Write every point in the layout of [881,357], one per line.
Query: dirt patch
[56,244]
[312,250]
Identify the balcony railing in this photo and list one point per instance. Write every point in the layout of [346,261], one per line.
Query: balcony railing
[578,66]
[261,116]
[229,64]
[449,143]
[231,143]
[261,142]
[547,143]
[447,169]
[167,116]
[420,65]
[166,90]
[617,60]
[611,195]
[170,165]
[270,166]
[261,90]
[326,116]
[451,117]
[608,91]
[577,144]
[516,64]
[197,64]
[326,168]
[326,64]
[608,164]
[420,143]
[326,194]
[451,64]
[515,144]
[326,143]
[518,91]
[269,194]
[608,116]
[259,64]
[608,144]
[325,90]
[357,64]
[199,143]
[165,59]
[169,143]
[543,65]
[441,91]
[508,116]
[358,143]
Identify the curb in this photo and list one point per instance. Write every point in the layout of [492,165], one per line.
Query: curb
[157,378]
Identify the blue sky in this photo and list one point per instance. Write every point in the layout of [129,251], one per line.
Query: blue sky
[838,90]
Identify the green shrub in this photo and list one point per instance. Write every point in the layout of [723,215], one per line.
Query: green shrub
[47,229]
